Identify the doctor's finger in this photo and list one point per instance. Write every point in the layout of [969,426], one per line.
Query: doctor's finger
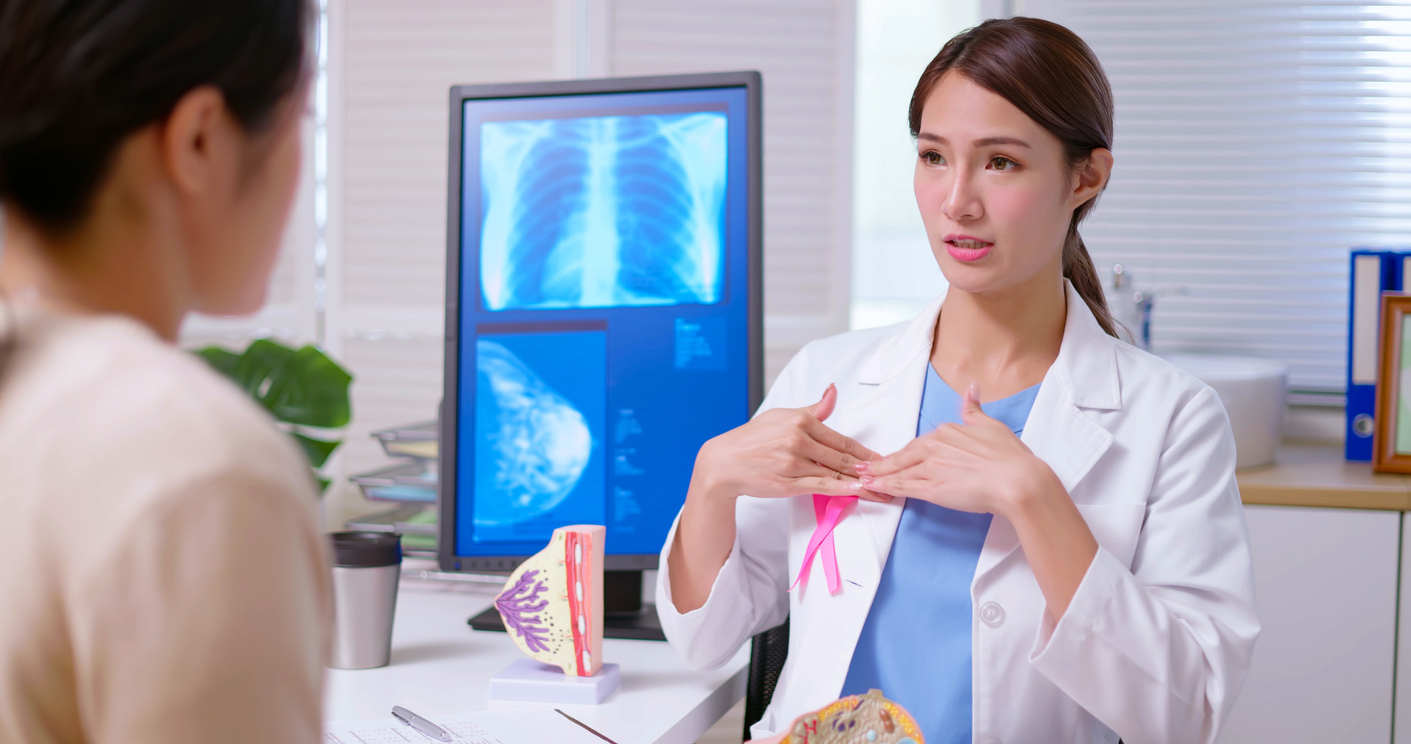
[805,469]
[907,483]
[833,440]
[830,458]
[829,483]
[918,480]
[824,407]
[915,452]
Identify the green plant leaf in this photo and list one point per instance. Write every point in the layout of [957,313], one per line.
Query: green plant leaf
[317,450]
[310,390]
[304,388]
[263,361]
[223,360]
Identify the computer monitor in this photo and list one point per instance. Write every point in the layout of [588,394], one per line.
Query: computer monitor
[603,307]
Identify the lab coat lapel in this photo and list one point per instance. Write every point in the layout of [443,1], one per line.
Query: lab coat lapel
[892,407]
[881,417]
[892,381]
[1084,376]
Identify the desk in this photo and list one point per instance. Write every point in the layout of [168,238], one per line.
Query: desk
[439,665]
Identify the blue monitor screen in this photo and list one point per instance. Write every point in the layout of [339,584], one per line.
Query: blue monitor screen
[604,310]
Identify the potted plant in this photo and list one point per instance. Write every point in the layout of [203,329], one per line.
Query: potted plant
[303,389]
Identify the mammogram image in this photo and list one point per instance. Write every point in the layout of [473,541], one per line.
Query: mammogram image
[605,211]
[537,441]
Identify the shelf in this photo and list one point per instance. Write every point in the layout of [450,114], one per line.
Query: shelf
[1316,475]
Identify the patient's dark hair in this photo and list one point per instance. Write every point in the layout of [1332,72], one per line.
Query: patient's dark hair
[1051,75]
[78,76]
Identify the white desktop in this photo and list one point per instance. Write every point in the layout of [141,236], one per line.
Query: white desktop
[440,666]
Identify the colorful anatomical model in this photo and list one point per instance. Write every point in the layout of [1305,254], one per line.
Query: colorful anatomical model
[857,719]
[552,604]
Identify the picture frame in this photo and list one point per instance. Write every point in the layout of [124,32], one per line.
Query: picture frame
[1391,438]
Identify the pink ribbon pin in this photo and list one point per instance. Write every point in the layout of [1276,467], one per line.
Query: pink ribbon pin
[828,510]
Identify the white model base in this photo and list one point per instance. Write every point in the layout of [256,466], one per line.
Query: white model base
[530,681]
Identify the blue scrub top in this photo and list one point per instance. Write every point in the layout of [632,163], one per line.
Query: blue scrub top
[915,645]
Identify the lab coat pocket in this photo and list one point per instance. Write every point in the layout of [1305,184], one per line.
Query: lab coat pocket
[1116,527]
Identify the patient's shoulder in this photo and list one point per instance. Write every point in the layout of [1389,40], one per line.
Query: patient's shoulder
[104,401]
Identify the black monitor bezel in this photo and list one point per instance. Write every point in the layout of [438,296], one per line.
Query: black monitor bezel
[751,81]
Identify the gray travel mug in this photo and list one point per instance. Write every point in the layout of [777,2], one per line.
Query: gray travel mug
[366,568]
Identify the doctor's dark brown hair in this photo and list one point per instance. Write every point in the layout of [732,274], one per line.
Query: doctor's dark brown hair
[79,76]
[1051,75]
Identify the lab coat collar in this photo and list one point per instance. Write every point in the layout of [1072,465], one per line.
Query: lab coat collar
[1086,366]
[1058,431]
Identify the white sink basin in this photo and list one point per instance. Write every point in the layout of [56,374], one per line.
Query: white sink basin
[1253,391]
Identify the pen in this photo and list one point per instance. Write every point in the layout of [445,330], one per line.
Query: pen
[584,725]
[420,724]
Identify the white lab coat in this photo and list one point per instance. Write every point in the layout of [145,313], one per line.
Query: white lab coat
[1157,640]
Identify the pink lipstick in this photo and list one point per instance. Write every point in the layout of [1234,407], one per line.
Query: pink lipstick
[967,248]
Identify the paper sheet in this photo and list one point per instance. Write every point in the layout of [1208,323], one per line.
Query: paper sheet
[480,727]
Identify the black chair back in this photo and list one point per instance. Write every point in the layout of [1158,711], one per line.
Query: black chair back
[768,651]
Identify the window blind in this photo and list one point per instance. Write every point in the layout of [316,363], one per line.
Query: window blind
[1256,142]
[391,70]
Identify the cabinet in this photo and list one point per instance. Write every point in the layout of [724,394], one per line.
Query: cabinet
[1323,668]
[1402,732]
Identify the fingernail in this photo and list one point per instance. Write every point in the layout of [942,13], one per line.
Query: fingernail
[861,466]
[973,392]
[854,486]
[866,480]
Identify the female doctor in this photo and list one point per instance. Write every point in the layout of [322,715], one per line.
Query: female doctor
[1047,542]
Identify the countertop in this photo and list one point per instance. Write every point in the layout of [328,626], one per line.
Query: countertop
[1316,475]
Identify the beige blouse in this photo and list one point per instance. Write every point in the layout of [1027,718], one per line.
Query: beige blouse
[162,574]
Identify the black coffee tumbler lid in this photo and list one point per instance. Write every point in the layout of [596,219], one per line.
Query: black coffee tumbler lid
[366,549]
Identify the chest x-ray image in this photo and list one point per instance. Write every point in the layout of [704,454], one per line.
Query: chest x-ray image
[603,211]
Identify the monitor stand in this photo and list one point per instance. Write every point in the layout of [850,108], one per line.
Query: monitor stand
[624,613]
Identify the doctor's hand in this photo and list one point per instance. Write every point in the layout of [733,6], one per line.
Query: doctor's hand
[979,467]
[781,452]
[785,452]
[983,467]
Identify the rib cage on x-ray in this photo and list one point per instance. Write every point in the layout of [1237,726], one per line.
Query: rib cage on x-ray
[603,211]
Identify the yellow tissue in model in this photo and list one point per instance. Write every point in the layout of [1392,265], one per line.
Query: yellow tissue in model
[857,719]
[552,605]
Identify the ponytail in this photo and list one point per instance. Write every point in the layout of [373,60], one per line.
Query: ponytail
[1078,269]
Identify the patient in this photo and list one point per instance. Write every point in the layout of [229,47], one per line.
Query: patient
[164,577]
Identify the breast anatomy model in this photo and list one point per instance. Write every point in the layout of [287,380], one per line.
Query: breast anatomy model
[552,605]
[857,719]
